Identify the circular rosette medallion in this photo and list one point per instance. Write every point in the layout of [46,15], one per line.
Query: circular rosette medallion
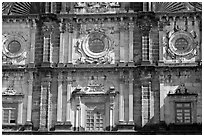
[96,45]
[181,43]
[13,46]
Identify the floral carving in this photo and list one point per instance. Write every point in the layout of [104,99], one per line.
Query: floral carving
[90,54]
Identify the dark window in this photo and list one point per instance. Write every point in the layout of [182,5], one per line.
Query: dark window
[94,121]
[183,112]
[9,115]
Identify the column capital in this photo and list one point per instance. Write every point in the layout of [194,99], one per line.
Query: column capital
[111,106]
[123,25]
[69,80]
[34,24]
[47,28]
[131,26]
[62,26]
[78,107]
[131,78]
[45,81]
[69,27]
[60,77]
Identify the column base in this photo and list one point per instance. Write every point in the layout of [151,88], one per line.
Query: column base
[28,126]
[145,63]
[125,127]
[43,129]
[160,62]
[46,64]
[63,126]
[31,65]
[60,65]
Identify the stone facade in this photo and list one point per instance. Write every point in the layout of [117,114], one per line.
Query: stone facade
[130,68]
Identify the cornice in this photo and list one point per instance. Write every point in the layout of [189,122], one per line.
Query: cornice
[20,18]
[79,18]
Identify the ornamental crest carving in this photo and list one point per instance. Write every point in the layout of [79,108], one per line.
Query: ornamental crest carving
[96,7]
[94,86]
[94,48]
[180,39]
[179,46]
[14,49]
[9,91]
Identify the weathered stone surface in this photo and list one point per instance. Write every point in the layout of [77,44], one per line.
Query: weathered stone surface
[93,76]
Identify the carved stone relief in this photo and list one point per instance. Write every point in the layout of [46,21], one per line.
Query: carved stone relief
[11,84]
[180,42]
[14,49]
[96,7]
[94,46]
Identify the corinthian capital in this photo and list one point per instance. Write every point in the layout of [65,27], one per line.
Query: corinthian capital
[47,28]
[62,26]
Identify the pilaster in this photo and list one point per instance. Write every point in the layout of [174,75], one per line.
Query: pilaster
[62,44]
[32,41]
[131,96]
[44,97]
[28,124]
[122,43]
[68,110]
[121,99]
[70,42]
[59,98]
[131,27]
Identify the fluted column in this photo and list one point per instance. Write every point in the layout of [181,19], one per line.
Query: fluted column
[59,98]
[130,96]
[121,102]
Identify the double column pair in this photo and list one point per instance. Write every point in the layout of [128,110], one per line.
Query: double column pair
[61,125]
[122,106]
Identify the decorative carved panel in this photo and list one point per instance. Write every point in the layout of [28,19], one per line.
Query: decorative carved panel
[180,40]
[94,46]
[14,49]
[96,7]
